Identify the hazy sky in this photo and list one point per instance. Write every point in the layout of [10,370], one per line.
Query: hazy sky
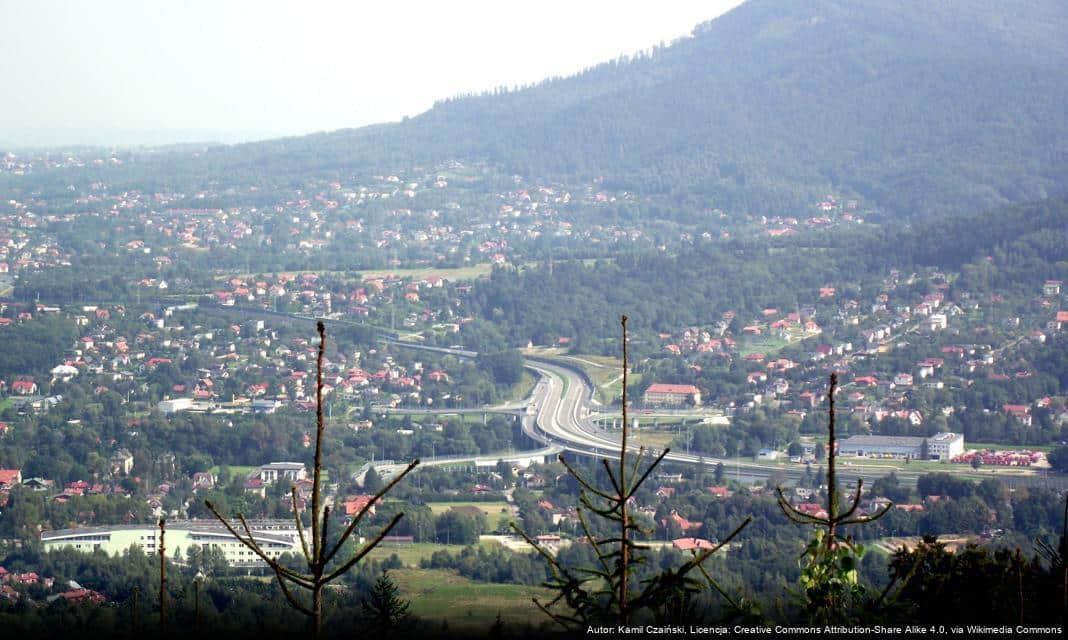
[137,71]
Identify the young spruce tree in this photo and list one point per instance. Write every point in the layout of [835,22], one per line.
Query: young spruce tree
[320,552]
[607,593]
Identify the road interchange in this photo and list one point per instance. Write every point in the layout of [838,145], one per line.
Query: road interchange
[561,401]
[558,414]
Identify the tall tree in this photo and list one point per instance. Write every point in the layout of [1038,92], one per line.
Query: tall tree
[320,552]
[386,611]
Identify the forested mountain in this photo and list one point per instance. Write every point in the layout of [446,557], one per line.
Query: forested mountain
[918,107]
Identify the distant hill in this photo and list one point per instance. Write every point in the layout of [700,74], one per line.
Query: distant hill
[919,107]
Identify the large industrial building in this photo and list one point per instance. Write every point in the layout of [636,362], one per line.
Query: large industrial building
[275,537]
[940,446]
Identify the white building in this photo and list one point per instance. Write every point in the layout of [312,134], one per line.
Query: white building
[945,445]
[275,471]
[176,405]
[275,537]
[936,322]
[941,446]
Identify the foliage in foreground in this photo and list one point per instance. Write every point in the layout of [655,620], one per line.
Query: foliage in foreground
[605,592]
[322,550]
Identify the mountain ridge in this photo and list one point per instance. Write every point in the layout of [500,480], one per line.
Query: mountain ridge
[918,108]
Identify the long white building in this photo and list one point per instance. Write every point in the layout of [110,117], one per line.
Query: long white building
[940,446]
[275,537]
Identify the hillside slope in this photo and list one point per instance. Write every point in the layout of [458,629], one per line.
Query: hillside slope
[921,108]
[918,107]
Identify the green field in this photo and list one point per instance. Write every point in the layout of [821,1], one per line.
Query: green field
[493,510]
[471,272]
[768,345]
[412,554]
[563,382]
[883,467]
[606,372]
[652,439]
[234,471]
[1009,447]
[438,594]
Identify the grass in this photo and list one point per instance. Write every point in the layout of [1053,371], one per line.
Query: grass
[470,272]
[962,470]
[493,510]
[652,439]
[1009,447]
[564,382]
[768,345]
[888,546]
[606,372]
[412,554]
[544,352]
[234,470]
[438,594]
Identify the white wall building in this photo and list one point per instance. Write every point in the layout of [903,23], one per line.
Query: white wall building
[945,445]
[941,446]
[275,471]
[275,537]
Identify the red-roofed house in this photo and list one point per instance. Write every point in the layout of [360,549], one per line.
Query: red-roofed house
[692,544]
[83,595]
[355,504]
[683,523]
[1059,321]
[866,381]
[1021,412]
[812,509]
[10,477]
[24,387]
[255,486]
[671,394]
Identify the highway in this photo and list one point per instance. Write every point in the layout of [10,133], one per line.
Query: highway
[562,417]
[558,416]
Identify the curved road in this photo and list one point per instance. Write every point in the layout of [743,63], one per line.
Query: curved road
[561,402]
[558,416]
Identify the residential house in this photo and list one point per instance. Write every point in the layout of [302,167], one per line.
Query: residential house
[10,477]
[692,544]
[122,462]
[276,471]
[355,504]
